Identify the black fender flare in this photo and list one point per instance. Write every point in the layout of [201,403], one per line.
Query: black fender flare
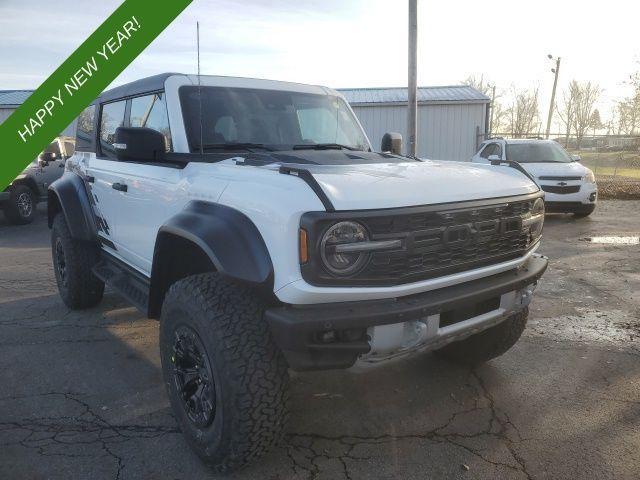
[69,195]
[225,235]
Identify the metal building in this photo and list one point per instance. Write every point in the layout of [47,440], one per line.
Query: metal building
[10,100]
[451,119]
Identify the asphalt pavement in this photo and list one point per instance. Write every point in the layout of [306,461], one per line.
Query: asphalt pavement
[82,394]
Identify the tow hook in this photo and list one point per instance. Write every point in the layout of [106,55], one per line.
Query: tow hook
[526,294]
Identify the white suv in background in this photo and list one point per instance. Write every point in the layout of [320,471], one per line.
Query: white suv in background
[569,186]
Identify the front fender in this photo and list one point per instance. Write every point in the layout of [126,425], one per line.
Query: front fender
[69,195]
[228,237]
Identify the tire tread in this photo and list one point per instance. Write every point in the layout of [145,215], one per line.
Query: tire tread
[255,368]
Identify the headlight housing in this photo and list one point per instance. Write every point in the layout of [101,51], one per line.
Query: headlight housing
[336,248]
[535,220]
[590,177]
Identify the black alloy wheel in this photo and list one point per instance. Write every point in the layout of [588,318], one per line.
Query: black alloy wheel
[193,377]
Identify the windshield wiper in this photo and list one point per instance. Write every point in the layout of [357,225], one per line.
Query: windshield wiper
[232,146]
[323,146]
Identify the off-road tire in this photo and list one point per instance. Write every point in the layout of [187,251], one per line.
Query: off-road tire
[249,372]
[77,285]
[584,212]
[16,210]
[488,344]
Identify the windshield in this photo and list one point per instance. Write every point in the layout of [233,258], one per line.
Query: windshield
[268,119]
[539,152]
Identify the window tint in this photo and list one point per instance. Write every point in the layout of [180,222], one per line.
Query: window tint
[491,149]
[324,124]
[226,130]
[112,118]
[151,111]
[278,119]
[84,128]
[538,152]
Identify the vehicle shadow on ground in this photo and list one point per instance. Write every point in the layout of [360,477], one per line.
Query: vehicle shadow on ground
[87,395]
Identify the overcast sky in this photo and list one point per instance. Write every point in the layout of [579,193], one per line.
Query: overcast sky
[348,43]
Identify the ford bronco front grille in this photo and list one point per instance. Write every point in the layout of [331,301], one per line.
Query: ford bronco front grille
[435,241]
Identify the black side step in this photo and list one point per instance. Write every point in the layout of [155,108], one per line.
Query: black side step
[128,282]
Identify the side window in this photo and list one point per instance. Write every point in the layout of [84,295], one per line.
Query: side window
[498,150]
[112,118]
[151,111]
[491,149]
[84,128]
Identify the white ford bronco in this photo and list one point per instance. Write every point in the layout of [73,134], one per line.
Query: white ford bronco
[254,220]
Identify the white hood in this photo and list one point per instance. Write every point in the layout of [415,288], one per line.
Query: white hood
[555,169]
[388,185]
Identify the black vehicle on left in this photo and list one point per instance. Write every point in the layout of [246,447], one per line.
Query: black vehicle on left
[20,199]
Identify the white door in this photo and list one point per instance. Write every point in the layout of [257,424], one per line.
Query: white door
[102,173]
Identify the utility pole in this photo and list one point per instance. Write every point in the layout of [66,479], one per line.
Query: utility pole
[556,71]
[412,110]
[493,106]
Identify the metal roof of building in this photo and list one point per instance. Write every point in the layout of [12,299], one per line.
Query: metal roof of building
[394,95]
[13,97]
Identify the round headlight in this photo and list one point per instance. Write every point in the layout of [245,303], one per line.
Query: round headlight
[537,218]
[335,248]
[538,207]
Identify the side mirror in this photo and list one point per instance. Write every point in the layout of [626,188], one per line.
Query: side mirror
[392,142]
[576,158]
[45,158]
[494,158]
[139,144]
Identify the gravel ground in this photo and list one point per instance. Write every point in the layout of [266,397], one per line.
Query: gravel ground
[82,395]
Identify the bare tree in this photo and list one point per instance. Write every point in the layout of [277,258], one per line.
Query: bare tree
[585,97]
[500,117]
[479,83]
[566,111]
[629,108]
[523,114]
[485,87]
[613,122]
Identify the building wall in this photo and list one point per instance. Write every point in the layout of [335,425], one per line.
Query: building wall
[445,131]
[4,113]
[70,131]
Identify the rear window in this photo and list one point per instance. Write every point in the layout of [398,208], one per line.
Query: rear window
[85,128]
[112,118]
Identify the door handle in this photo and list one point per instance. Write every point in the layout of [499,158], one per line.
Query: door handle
[90,179]
[121,187]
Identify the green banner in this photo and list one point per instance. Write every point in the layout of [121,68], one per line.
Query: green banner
[80,79]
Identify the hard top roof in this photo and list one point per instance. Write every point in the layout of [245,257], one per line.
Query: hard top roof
[157,82]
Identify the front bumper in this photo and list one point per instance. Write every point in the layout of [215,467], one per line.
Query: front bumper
[326,336]
[4,196]
[586,196]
